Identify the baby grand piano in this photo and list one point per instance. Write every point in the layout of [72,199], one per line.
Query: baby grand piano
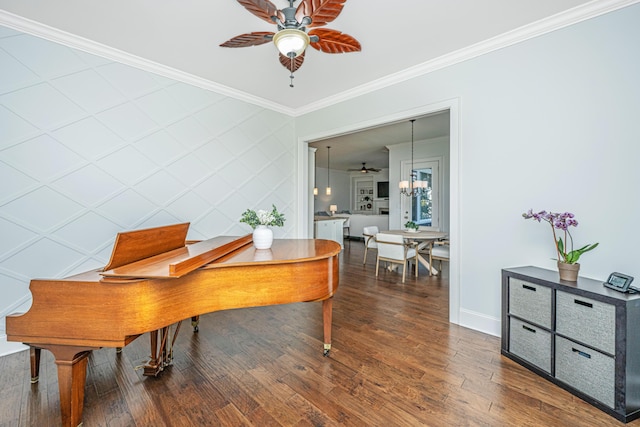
[154,279]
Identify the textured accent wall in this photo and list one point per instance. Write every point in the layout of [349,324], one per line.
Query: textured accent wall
[90,147]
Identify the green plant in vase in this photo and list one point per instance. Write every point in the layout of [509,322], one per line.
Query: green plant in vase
[260,221]
[410,225]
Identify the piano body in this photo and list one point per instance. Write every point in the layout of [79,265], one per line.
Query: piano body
[155,279]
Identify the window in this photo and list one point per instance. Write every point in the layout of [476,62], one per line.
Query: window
[422,205]
[424,210]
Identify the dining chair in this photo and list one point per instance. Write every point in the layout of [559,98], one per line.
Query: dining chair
[438,250]
[393,248]
[346,228]
[369,234]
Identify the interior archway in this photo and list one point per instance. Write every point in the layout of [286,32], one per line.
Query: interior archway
[305,196]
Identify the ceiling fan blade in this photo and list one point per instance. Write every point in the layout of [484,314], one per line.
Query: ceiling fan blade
[250,39]
[320,11]
[364,169]
[333,41]
[263,9]
[297,62]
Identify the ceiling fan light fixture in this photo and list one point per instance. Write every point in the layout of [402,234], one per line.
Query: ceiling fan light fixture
[291,40]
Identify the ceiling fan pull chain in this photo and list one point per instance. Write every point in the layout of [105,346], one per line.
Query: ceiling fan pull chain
[292,57]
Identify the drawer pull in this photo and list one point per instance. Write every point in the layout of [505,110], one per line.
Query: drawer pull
[581,353]
[525,327]
[530,288]
[586,304]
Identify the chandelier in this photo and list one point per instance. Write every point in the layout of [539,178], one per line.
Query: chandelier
[414,187]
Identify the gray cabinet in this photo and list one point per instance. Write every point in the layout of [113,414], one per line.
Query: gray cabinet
[581,336]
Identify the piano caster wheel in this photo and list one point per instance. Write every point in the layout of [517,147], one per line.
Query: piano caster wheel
[327,349]
[118,350]
[195,329]
[34,380]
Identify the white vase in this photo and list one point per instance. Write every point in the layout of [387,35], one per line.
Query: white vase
[262,237]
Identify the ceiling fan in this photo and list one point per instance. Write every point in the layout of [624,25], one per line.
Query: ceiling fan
[364,169]
[292,37]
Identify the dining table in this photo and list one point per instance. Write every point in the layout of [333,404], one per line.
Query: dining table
[423,238]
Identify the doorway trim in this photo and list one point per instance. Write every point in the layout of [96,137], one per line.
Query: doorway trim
[453,105]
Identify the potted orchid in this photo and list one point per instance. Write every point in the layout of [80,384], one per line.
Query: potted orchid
[567,256]
[260,221]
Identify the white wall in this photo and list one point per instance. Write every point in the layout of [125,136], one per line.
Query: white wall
[340,189]
[89,147]
[550,123]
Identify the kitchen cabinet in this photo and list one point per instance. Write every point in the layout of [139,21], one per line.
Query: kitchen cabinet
[330,229]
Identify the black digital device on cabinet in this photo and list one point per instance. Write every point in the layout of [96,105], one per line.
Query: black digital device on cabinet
[620,282]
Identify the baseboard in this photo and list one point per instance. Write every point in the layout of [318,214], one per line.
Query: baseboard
[7,348]
[480,322]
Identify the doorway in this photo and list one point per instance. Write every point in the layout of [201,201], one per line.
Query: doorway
[305,187]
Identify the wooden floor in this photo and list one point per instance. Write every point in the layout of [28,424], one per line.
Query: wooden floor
[396,361]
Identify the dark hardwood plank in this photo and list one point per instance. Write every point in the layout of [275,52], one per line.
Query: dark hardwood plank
[396,360]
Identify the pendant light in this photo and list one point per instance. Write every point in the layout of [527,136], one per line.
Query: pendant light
[328,167]
[414,187]
[315,175]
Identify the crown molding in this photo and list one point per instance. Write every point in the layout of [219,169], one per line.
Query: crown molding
[569,17]
[555,22]
[46,32]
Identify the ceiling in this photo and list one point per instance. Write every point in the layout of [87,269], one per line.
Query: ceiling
[180,39]
[369,145]
[399,40]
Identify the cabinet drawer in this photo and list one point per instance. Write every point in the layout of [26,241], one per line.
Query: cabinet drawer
[587,370]
[586,320]
[530,343]
[530,301]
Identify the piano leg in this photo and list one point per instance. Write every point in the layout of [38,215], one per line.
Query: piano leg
[154,366]
[72,376]
[161,350]
[327,312]
[34,355]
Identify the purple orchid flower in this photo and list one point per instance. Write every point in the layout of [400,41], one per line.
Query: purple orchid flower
[561,221]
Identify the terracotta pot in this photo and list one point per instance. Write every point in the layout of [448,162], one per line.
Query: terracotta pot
[568,272]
